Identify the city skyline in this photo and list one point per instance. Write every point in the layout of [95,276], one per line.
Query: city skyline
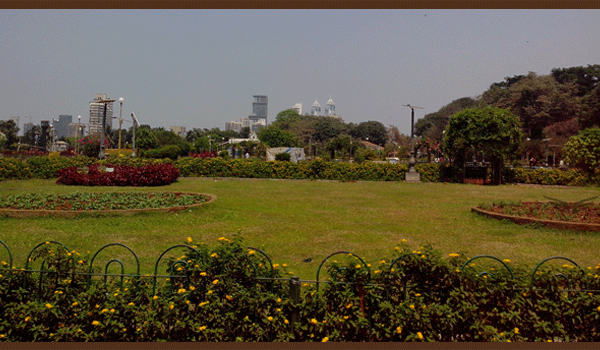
[199,68]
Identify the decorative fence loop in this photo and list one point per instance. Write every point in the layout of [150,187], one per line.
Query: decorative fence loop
[137,261]
[562,275]
[10,258]
[42,271]
[170,267]
[338,253]
[484,273]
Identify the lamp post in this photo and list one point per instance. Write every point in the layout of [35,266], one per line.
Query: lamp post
[121,100]
[135,125]
[101,154]
[412,174]
[78,132]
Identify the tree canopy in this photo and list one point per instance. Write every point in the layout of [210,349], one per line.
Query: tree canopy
[493,131]
[583,150]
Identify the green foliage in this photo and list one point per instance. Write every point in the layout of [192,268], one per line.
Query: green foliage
[170,152]
[283,157]
[272,136]
[145,138]
[373,131]
[583,150]
[234,293]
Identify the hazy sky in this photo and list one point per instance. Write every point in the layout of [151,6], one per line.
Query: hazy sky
[200,68]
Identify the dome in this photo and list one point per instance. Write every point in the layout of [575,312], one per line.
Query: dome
[330,102]
[316,104]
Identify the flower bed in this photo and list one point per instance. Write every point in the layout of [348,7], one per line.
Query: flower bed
[124,203]
[119,175]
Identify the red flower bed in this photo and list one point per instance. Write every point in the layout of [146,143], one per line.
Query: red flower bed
[122,175]
[203,155]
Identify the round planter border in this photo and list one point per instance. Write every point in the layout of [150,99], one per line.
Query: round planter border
[26,213]
[561,225]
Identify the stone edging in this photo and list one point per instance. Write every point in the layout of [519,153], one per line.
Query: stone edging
[561,225]
[24,213]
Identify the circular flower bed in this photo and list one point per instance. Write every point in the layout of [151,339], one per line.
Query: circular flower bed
[72,204]
[562,215]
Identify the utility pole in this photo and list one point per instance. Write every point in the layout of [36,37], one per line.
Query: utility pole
[412,174]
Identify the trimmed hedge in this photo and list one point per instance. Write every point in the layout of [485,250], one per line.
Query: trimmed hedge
[46,167]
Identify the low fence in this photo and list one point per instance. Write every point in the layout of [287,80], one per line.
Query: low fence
[294,282]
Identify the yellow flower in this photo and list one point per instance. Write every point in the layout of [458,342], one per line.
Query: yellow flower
[189,240]
[358,266]
[516,330]
[75,304]
[215,282]
[279,300]
[412,307]
[49,306]
[251,252]
[192,288]
[181,290]
[349,306]
[80,262]
[187,302]
[95,323]
[284,265]
[131,304]
[213,255]
[155,297]
[228,297]
[116,294]
[377,271]
[171,307]
[201,328]
[286,321]
[346,317]
[104,310]
[27,318]
[420,335]
[418,295]
[202,274]
[382,262]
[325,340]
[453,255]
[403,241]
[506,260]
[269,318]
[398,330]
[314,321]
[209,292]
[112,311]
[47,242]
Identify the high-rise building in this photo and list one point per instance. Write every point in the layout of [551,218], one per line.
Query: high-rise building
[15,119]
[298,108]
[315,109]
[179,130]
[61,125]
[330,108]
[97,113]
[259,109]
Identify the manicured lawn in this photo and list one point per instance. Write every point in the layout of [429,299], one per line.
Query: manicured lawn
[295,220]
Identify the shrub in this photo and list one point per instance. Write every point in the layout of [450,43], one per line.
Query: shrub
[122,175]
[170,151]
[283,157]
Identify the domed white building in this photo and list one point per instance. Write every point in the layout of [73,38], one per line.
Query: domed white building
[330,108]
[315,109]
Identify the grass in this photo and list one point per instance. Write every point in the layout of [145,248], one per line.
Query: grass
[295,220]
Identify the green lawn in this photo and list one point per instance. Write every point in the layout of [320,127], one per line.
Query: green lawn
[295,220]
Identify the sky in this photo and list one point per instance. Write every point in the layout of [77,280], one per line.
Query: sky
[200,68]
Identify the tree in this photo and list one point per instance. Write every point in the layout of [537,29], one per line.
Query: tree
[272,136]
[145,138]
[583,150]
[372,130]
[327,128]
[433,125]
[585,78]
[10,130]
[493,131]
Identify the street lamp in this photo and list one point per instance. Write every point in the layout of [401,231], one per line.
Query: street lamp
[412,174]
[78,132]
[121,100]
[135,125]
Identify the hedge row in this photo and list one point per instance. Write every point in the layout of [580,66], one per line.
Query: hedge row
[220,300]
[46,167]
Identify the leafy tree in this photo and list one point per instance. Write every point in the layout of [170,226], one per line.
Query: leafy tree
[583,150]
[245,132]
[373,131]
[495,132]
[433,125]
[145,138]
[327,128]
[272,136]
[585,78]
[10,130]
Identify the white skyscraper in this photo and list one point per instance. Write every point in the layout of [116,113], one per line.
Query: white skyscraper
[330,108]
[97,112]
[315,109]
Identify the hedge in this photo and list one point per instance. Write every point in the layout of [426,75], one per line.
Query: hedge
[232,293]
[45,167]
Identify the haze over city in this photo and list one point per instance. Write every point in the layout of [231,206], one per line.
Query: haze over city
[200,68]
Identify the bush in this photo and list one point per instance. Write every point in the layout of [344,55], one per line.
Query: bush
[170,152]
[283,157]
[235,293]
[122,175]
